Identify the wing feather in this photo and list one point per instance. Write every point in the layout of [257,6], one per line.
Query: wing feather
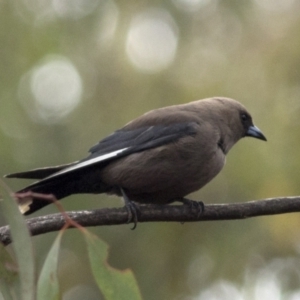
[119,144]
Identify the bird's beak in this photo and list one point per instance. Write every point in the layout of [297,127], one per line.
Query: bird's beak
[255,132]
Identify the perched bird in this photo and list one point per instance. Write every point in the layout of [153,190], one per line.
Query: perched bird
[158,158]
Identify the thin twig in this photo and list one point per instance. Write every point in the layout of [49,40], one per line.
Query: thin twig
[161,213]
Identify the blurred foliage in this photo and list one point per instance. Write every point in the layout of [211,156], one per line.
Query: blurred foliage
[74,71]
[23,263]
[18,270]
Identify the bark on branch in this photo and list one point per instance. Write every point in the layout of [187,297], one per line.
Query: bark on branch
[158,213]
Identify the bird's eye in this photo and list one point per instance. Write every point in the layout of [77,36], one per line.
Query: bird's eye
[244,117]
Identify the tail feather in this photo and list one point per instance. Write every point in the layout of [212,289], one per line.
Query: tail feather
[28,205]
[39,173]
[77,182]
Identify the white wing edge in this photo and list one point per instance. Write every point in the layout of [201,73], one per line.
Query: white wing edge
[88,162]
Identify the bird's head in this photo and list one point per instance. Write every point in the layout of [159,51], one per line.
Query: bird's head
[233,121]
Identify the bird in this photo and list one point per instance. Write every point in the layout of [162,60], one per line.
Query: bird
[158,158]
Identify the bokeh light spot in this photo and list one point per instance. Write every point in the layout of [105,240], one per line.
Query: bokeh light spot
[108,23]
[152,41]
[56,87]
[275,5]
[194,5]
[74,8]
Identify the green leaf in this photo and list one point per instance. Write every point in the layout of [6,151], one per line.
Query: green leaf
[8,267]
[113,283]
[5,292]
[22,244]
[8,273]
[48,286]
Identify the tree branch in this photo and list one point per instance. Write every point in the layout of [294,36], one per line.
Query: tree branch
[161,213]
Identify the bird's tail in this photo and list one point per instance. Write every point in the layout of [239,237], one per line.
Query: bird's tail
[28,205]
[60,185]
[39,173]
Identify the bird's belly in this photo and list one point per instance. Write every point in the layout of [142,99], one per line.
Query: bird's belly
[160,180]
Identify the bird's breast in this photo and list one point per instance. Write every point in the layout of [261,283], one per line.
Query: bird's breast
[162,174]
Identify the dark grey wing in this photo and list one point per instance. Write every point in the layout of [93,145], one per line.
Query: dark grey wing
[142,138]
[122,143]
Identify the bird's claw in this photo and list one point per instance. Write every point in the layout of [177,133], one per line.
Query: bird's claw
[132,214]
[132,209]
[198,205]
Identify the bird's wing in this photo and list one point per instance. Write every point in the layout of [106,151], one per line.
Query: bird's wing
[142,138]
[40,172]
[125,142]
[122,143]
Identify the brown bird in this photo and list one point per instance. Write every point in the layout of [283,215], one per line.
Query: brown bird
[159,158]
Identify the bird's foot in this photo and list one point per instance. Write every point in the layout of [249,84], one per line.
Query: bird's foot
[132,209]
[198,205]
[132,213]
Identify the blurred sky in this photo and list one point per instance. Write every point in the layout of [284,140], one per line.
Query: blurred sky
[73,71]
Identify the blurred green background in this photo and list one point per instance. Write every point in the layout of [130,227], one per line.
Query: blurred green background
[73,71]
